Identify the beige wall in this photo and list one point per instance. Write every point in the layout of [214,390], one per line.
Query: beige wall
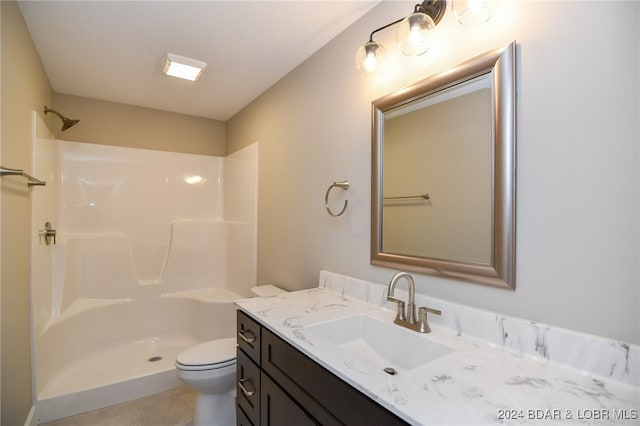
[111,123]
[577,169]
[25,87]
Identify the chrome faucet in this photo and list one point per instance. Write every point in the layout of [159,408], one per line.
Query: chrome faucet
[410,315]
[407,318]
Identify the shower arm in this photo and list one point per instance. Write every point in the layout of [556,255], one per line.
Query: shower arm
[66,122]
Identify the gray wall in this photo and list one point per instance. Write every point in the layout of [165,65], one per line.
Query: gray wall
[577,168]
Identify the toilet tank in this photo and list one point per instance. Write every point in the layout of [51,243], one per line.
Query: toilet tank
[266,290]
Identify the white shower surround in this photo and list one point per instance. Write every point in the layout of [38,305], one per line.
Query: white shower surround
[152,249]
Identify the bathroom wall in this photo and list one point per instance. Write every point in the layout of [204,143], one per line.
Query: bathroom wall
[577,168]
[25,87]
[111,123]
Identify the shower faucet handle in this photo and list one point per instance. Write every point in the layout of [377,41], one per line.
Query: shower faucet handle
[47,233]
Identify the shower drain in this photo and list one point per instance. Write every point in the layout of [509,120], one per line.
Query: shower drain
[154,358]
[391,371]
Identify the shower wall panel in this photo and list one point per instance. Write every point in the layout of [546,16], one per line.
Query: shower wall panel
[139,193]
[134,223]
[45,166]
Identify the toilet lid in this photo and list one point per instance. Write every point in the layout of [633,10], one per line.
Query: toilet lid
[205,356]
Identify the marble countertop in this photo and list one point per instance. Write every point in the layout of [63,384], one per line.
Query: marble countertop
[476,383]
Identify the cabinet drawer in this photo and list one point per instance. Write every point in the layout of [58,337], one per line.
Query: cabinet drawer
[293,370]
[248,387]
[248,336]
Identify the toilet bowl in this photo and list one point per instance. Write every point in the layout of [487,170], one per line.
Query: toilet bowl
[210,369]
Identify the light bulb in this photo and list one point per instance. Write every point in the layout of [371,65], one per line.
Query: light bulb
[473,12]
[414,34]
[370,58]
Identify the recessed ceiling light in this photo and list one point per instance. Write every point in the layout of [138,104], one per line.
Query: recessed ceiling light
[182,67]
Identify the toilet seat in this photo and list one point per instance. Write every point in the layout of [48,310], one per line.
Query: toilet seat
[211,355]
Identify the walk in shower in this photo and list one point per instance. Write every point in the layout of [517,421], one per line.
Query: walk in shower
[151,248]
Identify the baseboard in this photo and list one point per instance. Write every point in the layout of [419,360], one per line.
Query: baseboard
[32,419]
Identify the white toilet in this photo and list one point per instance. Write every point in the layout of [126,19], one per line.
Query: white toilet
[210,369]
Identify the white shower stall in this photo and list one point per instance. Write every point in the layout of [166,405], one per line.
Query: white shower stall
[151,249]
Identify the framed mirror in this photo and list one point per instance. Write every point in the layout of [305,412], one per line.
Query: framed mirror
[443,173]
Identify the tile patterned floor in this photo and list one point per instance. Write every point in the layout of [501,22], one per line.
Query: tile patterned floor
[171,408]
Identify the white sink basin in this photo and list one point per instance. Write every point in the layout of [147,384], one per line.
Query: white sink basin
[381,343]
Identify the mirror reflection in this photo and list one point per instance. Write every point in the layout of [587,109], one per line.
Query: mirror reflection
[443,173]
[437,175]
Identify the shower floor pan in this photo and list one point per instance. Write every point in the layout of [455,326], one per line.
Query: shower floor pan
[123,373]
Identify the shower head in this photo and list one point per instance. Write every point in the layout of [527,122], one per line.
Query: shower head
[66,122]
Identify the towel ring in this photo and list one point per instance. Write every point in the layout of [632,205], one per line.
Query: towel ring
[344,185]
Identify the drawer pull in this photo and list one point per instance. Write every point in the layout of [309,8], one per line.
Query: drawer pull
[247,335]
[244,390]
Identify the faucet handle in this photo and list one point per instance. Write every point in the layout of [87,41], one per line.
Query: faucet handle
[423,324]
[433,311]
[400,315]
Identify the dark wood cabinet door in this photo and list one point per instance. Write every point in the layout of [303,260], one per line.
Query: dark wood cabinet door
[278,409]
[241,418]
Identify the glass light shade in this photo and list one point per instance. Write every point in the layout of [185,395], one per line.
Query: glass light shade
[473,12]
[414,34]
[370,58]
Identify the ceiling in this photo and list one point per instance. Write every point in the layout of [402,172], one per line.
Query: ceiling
[113,50]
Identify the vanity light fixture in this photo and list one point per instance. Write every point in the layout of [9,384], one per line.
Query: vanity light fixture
[414,32]
[183,67]
[412,36]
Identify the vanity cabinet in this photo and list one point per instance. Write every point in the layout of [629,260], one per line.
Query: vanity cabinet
[279,385]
